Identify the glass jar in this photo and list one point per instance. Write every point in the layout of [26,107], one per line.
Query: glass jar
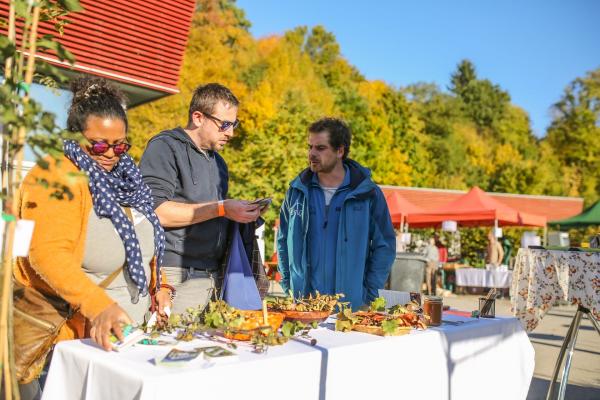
[433,308]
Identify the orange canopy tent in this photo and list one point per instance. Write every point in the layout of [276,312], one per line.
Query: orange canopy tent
[400,207]
[475,208]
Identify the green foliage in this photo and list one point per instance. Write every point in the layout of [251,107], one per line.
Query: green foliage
[377,305]
[292,328]
[484,102]
[389,326]
[345,320]
[24,122]
[574,134]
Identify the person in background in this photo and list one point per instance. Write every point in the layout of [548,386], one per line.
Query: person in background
[432,256]
[400,245]
[494,251]
[335,234]
[507,248]
[85,238]
[443,252]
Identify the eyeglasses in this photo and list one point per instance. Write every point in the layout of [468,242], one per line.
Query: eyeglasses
[224,125]
[99,148]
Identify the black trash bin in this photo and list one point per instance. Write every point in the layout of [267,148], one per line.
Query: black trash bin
[407,272]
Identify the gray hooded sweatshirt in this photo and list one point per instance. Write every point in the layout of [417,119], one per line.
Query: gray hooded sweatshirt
[176,170]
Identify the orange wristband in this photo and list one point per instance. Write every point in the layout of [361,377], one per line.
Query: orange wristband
[221,208]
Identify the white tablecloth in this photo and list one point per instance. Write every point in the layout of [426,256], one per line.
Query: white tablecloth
[491,359]
[479,277]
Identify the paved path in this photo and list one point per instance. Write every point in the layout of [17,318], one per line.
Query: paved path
[584,378]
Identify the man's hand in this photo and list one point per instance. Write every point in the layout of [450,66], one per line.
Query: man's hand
[264,209]
[241,211]
[109,320]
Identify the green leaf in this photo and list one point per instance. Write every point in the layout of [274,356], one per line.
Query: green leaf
[7,48]
[62,53]
[71,5]
[389,326]
[343,325]
[287,329]
[22,8]
[378,304]
[48,70]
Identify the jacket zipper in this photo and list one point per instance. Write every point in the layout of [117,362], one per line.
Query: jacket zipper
[213,182]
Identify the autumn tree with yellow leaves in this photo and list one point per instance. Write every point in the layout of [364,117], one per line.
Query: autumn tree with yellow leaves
[414,136]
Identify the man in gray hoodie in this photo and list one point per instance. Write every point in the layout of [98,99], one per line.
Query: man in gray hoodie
[189,182]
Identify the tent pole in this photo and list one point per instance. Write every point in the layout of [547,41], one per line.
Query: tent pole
[545,235]
[402,224]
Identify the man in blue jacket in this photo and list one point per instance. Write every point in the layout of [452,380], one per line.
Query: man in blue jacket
[335,233]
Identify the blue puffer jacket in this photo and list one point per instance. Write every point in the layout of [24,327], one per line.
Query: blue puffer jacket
[366,244]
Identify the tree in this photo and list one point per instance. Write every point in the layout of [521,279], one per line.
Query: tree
[418,135]
[25,122]
[484,102]
[463,78]
[575,130]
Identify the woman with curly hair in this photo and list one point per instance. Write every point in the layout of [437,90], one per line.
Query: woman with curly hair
[99,247]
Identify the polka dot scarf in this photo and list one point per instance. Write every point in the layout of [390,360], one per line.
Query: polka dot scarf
[123,186]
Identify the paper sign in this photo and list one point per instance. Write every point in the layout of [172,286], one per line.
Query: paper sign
[405,238]
[23,234]
[394,297]
[239,287]
[449,226]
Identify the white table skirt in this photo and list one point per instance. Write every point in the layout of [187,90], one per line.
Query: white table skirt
[472,361]
[479,277]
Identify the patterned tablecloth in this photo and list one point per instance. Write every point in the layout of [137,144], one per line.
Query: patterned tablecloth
[541,277]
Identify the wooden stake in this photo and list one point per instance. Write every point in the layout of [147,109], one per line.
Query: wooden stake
[265,313]
[20,145]
[4,310]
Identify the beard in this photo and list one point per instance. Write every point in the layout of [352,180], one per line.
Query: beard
[322,167]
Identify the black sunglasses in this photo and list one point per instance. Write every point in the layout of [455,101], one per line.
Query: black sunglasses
[224,125]
[99,148]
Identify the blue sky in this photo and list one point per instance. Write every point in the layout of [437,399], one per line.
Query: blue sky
[532,48]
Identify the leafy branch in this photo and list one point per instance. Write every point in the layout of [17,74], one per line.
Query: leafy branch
[25,123]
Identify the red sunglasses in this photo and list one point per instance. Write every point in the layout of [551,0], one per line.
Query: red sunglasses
[99,148]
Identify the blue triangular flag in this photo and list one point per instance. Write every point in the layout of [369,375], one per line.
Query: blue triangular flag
[239,287]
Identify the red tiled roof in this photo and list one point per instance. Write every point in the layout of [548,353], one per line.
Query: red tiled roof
[133,41]
[552,207]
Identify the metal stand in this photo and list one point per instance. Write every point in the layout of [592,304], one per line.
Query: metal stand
[568,343]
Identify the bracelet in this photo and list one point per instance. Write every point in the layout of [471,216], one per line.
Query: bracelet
[173,293]
[221,208]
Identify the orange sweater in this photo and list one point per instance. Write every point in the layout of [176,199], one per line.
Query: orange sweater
[57,246]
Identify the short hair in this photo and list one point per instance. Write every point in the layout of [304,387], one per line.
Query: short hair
[339,133]
[94,97]
[206,97]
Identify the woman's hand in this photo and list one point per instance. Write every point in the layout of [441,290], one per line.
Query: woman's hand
[109,320]
[163,299]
